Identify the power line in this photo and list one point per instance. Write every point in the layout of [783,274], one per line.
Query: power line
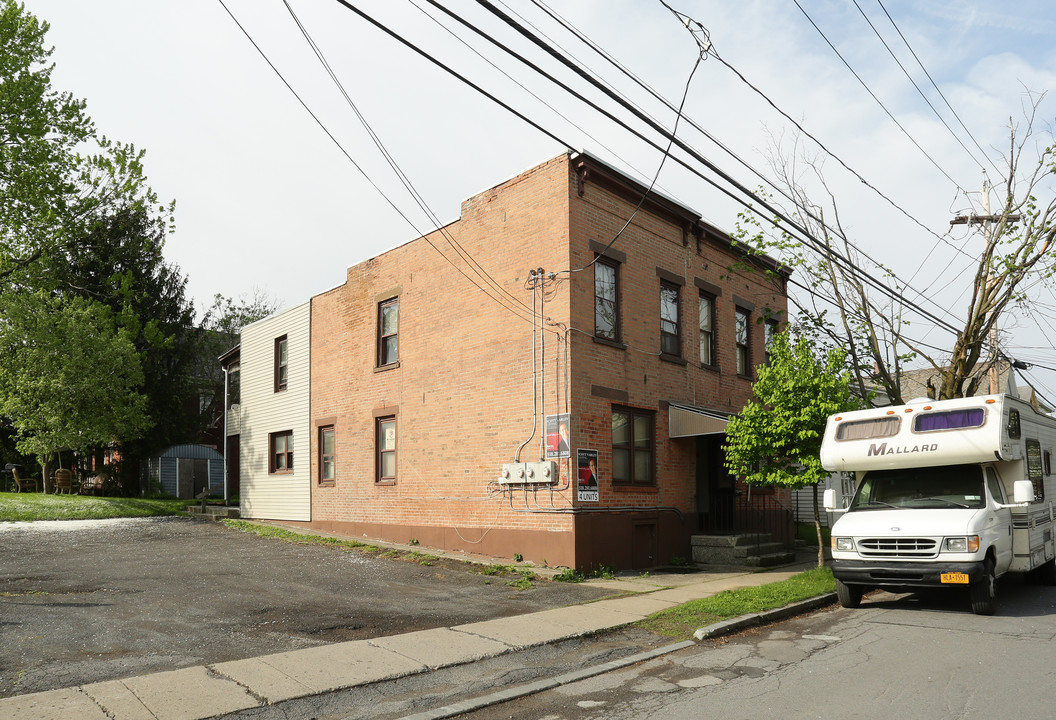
[352,160]
[878,101]
[934,85]
[400,174]
[776,214]
[914,83]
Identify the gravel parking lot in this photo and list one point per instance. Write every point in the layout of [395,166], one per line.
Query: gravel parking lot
[103,599]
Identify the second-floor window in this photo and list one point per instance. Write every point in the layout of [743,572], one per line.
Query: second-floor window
[670,329]
[743,342]
[385,444]
[632,446]
[606,300]
[707,329]
[388,332]
[282,363]
[771,332]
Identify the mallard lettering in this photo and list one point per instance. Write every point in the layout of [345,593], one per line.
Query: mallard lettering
[883,449]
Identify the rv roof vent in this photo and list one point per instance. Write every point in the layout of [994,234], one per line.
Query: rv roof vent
[918,401]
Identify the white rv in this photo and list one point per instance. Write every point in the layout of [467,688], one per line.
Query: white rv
[951,493]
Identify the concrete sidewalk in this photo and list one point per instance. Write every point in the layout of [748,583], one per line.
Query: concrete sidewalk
[196,693]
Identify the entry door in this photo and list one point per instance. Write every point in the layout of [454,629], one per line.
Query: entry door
[193,474]
[715,487]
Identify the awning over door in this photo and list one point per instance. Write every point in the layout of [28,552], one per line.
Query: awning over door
[689,421]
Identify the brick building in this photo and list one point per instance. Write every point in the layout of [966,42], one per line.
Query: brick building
[422,385]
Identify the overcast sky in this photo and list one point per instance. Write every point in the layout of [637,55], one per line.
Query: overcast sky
[265,199]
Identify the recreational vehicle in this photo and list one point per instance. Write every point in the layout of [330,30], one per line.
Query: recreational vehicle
[951,493]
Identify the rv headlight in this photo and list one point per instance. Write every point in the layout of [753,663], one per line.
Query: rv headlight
[843,543]
[963,544]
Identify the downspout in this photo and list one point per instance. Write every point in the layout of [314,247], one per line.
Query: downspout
[226,383]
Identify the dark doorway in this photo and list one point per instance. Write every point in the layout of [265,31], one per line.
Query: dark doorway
[643,546]
[232,466]
[715,487]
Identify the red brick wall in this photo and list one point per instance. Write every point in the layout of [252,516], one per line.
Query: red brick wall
[463,388]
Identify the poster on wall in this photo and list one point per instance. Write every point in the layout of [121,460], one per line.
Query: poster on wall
[557,438]
[587,466]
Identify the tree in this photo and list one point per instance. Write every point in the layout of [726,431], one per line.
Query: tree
[848,311]
[776,439]
[70,376]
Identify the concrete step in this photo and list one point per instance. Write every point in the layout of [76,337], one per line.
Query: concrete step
[729,540]
[771,559]
[213,512]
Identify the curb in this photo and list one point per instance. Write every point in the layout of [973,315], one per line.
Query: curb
[539,686]
[745,621]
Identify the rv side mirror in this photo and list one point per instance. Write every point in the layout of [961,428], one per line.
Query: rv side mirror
[1023,491]
[829,499]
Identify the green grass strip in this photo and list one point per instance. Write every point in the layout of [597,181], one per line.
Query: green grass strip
[29,507]
[684,620]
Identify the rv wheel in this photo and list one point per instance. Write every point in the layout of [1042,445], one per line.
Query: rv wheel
[850,595]
[983,591]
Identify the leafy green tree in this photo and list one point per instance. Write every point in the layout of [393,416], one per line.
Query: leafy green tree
[70,377]
[776,439]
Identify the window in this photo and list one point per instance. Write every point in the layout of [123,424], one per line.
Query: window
[326,454]
[385,442]
[281,454]
[670,333]
[282,360]
[866,429]
[771,332]
[1035,470]
[632,446]
[949,420]
[388,332]
[743,347]
[1013,424]
[234,386]
[707,329]
[606,300]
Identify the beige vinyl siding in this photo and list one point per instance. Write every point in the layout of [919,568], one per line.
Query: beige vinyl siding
[264,411]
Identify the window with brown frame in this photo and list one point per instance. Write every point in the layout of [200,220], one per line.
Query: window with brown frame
[327,465]
[385,444]
[282,363]
[388,332]
[706,315]
[670,327]
[632,446]
[772,329]
[744,348]
[606,299]
[280,454]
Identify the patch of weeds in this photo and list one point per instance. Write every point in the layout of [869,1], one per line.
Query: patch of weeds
[414,541]
[525,581]
[644,574]
[23,594]
[370,548]
[389,553]
[495,570]
[421,558]
[568,575]
[517,557]
[679,561]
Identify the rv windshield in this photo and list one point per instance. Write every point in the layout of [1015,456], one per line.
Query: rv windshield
[946,486]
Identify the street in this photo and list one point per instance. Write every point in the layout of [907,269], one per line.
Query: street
[911,656]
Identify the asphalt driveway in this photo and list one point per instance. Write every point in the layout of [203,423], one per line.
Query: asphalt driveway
[98,600]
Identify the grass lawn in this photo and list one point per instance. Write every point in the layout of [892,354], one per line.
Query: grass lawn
[38,506]
[684,620]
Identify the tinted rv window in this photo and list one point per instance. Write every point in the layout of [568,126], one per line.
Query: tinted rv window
[865,429]
[945,486]
[949,420]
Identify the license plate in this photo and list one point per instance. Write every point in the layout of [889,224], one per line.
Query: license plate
[961,578]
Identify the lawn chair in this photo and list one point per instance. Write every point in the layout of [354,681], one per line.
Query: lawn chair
[23,483]
[96,484]
[64,481]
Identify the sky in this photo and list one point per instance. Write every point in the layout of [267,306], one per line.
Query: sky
[267,201]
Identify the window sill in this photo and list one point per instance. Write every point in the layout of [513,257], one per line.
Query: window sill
[712,368]
[384,483]
[674,359]
[281,472]
[327,483]
[610,343]
[390,366]
[630,487]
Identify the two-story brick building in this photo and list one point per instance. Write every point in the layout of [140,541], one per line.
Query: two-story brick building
[426,373]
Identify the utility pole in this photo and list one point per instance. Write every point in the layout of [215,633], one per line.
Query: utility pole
[985,220]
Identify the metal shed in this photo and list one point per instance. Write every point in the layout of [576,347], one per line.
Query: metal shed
[183,471]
